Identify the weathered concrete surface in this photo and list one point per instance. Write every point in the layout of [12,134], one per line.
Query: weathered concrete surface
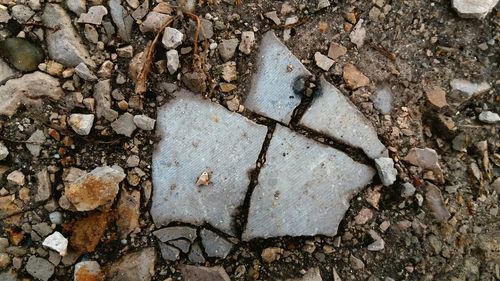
[199,136]
[332,114]
[304,188]
[271,93]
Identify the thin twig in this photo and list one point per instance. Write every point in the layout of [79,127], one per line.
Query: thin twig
[142,77]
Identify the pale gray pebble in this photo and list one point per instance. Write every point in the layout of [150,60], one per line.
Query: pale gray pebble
[489,117]
[124,125]
[144,122]
[39,268]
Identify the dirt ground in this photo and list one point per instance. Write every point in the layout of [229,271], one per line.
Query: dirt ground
[416,45]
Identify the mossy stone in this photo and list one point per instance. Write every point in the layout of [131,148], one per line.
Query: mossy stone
[22,54]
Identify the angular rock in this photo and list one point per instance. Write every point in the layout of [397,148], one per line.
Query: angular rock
[175,232]
[128,212]
[94,15]
[169,253]
[4,16]
[153,22]
[5,71]
[437,97]
[426,158]
[313,274]
[290,21]
[386,171]
[196,254]
[144,122]
[102,96]
[57,242]
[84,72]
[122,19]
[470,89]
[76,6]
[22,13]
[290,177]
[358,34]
[272,91]
[273,15]
[214,244]
[408,190]
[271,254]
[435,203]
[474,8]
[218,142]
[16,178]
[88,271]
[354,78]
[172,61]
[331,113]
[39,268]
[81,123]
[172,38]
[8,206]
[229,71]
[63,43]
[227,48]
[195,81]
[323,61]
[87,232]
[44,186]
[489,117]
[4,151]
[124,125]
[247,42]
[377,245]
[33,144]
[137,266]
[181,244]
[94,189]
[201,273]
[382,100]
[28,90]
[336,51]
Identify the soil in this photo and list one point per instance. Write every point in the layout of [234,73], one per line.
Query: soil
[418,44]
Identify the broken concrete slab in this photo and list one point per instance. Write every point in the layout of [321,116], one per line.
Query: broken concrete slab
[214,244]
[332,114]
[199,136]
[301,172]
[175,232]
[272,93]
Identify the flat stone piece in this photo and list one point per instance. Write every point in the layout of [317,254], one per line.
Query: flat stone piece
[175,232]
[169,253]
[214,244]
[272,93]
[181,244]
[39,268]
[137,266]
[199,136]
[201,273]
[332,114]
[304,188]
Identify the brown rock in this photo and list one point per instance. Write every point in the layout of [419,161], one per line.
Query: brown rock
[202,273]
[195,81]
[354,78]
[271,254]
[128,212]
[137,266]
[87,232]
[363,216]
[8,207]
[88,271]
[94,189]
[437,97]
[435,203]
[336,51]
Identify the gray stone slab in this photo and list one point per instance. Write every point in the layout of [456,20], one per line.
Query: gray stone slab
[175,232]
[271,93]
[332,114]
[303,188]
[169,253]
[196,254]
[214,244]
[199,136]
[181,244]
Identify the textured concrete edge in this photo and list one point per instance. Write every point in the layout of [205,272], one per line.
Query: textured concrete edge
[248,235]
[160,134]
